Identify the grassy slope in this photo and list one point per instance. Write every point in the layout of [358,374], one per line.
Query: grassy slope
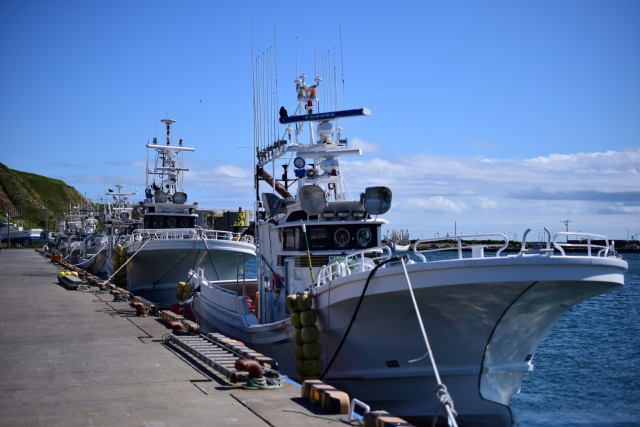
[28,193]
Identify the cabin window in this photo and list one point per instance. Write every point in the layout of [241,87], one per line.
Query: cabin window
[158,222]
[317,237]
[171,222]
[331,237]
[292,239]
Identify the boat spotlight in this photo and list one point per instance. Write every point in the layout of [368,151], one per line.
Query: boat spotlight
[328,214]
[180,197]
[160,196]
[312,199]
[343,213]
[273,204]
[377,200]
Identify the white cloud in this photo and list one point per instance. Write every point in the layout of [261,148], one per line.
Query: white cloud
[437,204]
[366,147]
[479,191]
[598,192]
[487,203]
[610,162]
[231,171]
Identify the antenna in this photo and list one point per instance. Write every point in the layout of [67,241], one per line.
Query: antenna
[275,60]
[296,57]
[255,138]
[335,79]
[270,99]
[104,191]
[344,96]
[265,120]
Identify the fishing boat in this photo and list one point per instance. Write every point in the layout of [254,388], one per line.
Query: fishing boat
[71,231]
[98,246]
[17,234]
[484,314]
[169,243]
[398,241]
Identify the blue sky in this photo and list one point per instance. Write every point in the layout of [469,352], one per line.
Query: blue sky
[490,116]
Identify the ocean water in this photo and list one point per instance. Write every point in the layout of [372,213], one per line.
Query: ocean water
[587,367]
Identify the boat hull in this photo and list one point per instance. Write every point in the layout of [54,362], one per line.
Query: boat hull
[96,264]
[154,272]
[484,318]
[21,236]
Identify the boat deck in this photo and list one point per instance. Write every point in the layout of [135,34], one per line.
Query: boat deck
[73,358]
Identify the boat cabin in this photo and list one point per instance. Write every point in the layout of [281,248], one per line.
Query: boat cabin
[169,215]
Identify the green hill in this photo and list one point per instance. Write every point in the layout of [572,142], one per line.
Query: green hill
[23,195]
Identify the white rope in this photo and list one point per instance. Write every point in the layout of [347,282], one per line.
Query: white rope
[441,389]
[89,259]
[271,379]
[122,266]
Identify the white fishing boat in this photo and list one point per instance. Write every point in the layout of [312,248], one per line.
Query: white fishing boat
[169,243]
[484,315]
[72,230]
[398,241]
[17,234]
[97,247]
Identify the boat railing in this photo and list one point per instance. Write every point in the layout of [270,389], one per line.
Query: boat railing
[163,234]
[215,234]
[344,265]
[603,250]
[477,251]
[225,235]
[221,289]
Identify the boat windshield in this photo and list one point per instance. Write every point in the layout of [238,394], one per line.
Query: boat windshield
[337,236]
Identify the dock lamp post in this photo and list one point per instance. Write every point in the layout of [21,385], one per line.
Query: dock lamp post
[8,232]
[627,232]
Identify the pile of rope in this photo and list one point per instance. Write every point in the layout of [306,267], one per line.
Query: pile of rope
[271,379]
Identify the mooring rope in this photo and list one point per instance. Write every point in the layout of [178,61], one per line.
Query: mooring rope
[441,390]
[209,254]
[271,379]
[93,257]
[127,262]
[355,313]
[175,265]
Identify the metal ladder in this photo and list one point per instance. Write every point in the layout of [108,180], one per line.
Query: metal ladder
[219,355]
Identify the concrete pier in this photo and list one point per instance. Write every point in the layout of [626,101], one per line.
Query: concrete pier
[74,358]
